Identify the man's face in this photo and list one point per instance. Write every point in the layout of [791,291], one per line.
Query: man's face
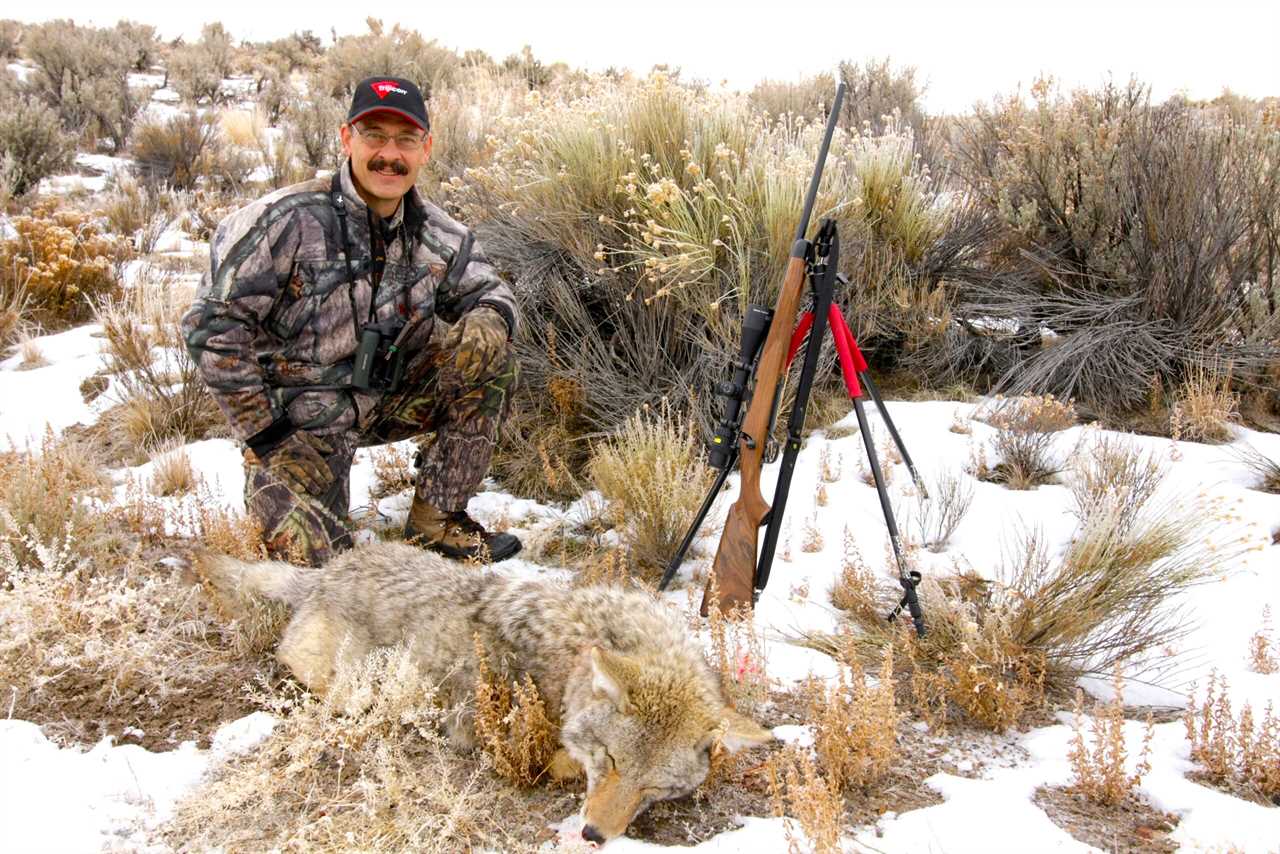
[387,171]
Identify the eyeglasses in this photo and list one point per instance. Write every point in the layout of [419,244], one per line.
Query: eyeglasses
[377,139]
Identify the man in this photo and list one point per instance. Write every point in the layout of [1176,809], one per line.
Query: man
[346,312]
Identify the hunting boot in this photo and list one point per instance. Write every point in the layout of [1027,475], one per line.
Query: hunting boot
[456,535]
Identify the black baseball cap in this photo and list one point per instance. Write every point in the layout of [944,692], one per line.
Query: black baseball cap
[391,95]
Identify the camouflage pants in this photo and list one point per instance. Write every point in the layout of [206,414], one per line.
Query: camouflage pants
[458,387]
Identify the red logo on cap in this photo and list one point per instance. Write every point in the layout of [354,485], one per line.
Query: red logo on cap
[383,88]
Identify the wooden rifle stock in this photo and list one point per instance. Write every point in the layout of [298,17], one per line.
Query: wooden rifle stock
[734,569]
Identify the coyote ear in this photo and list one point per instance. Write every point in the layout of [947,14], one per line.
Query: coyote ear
[740,731]
[606,678]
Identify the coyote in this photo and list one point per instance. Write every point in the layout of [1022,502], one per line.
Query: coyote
[639,710]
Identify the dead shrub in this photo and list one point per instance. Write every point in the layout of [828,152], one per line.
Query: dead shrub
[855,725]
[1204,406]
[512,724]
[652,475]
[1101,771]
[855,588]
[995,648]
[812,541]
[1235,755]
[737,653]
[1111,467]
[798,788]
[176,151]
[137,213]
[62,263]
[43,497]
[936,517]
[373,775]
[1264,651]
[1024,438]
[393,471]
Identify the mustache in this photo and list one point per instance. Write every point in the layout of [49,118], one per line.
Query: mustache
[399,167]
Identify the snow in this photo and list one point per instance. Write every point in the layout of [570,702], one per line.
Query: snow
[115,796]
[110,797]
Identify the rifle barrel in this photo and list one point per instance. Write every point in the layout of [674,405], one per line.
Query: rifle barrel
[812,196]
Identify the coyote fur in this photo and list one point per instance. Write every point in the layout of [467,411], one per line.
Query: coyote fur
[638,707]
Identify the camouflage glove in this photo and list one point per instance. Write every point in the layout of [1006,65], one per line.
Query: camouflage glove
[483,329]
[299,463]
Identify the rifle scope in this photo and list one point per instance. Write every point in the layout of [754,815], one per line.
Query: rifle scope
[722,447]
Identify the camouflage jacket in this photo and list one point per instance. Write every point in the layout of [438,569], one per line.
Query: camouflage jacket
[271,328]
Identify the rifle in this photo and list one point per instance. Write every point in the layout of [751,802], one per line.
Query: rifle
[736,571]
[735,562]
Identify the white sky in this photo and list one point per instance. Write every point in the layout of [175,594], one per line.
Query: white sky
[966,51]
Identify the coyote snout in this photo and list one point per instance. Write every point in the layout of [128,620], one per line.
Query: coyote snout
[639,710]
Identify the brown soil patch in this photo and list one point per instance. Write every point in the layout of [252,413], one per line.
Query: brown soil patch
[1131,826]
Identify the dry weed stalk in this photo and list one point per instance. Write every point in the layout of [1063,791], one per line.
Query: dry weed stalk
[512,725]
[1112,467]
[1024,439]
[960,425]
[830,466]
[737,653]
[812,541]
[1234,753]
[820,497]
[1263,654]
[1101,769]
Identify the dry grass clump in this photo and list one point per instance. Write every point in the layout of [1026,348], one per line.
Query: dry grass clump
[1101,770]
[61,262]
[172,472]
[936,517]
[1235,754]
[1024,439]
[137,213]
[1264,650]
[393,471]
[32,356]
[175,152]
[652,475]
[1265,469]
[161,396]
[1204,407]
[512,724]
[376,777]
[995,647]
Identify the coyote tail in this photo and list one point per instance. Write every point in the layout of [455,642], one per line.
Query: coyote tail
[238,583]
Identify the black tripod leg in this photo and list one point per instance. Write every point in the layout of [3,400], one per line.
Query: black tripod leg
[697,523]
[906,577]
[893,431]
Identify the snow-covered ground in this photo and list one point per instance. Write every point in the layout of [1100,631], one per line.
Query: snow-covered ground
[110,796]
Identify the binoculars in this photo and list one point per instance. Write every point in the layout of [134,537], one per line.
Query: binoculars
[379,363]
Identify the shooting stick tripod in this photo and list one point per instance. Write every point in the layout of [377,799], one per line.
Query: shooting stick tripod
[822,264]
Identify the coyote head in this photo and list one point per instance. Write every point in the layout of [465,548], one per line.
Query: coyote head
[645,734]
